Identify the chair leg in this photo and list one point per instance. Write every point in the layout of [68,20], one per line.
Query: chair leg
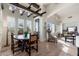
[13,52]
[12,49]
[56,41]
[37,47]
[78,51]
[48,40]
[65,39]
[73,42]
[29,50]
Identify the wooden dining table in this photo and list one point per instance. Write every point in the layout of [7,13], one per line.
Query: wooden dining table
[23,40]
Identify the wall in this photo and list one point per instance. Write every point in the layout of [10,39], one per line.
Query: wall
[74,21]
[1,25]
[56,20]
[41,29]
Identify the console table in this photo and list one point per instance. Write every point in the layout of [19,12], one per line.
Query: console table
[73,38]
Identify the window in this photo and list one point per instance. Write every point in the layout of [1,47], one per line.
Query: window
[37,25]
[20,23]
[11,22]
[51,27]
[29,25]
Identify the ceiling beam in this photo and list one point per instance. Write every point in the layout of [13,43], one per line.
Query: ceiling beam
[29,6]
[29,15]
[35,5]
[38,10]
[35,16]
[43,13]
[23,7]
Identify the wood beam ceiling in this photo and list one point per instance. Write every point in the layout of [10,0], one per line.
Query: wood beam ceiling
[28,8]
[35,5]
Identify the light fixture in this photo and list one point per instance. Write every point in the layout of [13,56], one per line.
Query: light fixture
[20,11]
[12,8]
[28,13]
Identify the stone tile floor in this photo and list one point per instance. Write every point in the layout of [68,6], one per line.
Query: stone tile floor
[62,48]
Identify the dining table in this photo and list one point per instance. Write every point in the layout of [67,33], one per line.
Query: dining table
[21,38]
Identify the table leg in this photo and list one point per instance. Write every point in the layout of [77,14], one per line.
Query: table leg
[29,50]
[73,40]
[22,46]
[65,39]
[78,51]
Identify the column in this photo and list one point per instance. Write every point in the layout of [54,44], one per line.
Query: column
[42,29]
[16,25]
[1,24]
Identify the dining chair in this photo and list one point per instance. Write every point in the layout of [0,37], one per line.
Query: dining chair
[33,43]
[15,45]
[52,38]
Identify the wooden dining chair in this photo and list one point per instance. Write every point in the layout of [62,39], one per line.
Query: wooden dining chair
[14,44]
[33,43]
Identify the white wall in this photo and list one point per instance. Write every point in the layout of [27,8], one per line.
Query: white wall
[74,21]
[1,24]
[55,19]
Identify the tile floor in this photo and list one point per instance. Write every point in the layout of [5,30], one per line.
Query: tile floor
[62,48]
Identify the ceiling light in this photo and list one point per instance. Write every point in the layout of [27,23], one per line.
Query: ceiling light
[20,11]
[10,8]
